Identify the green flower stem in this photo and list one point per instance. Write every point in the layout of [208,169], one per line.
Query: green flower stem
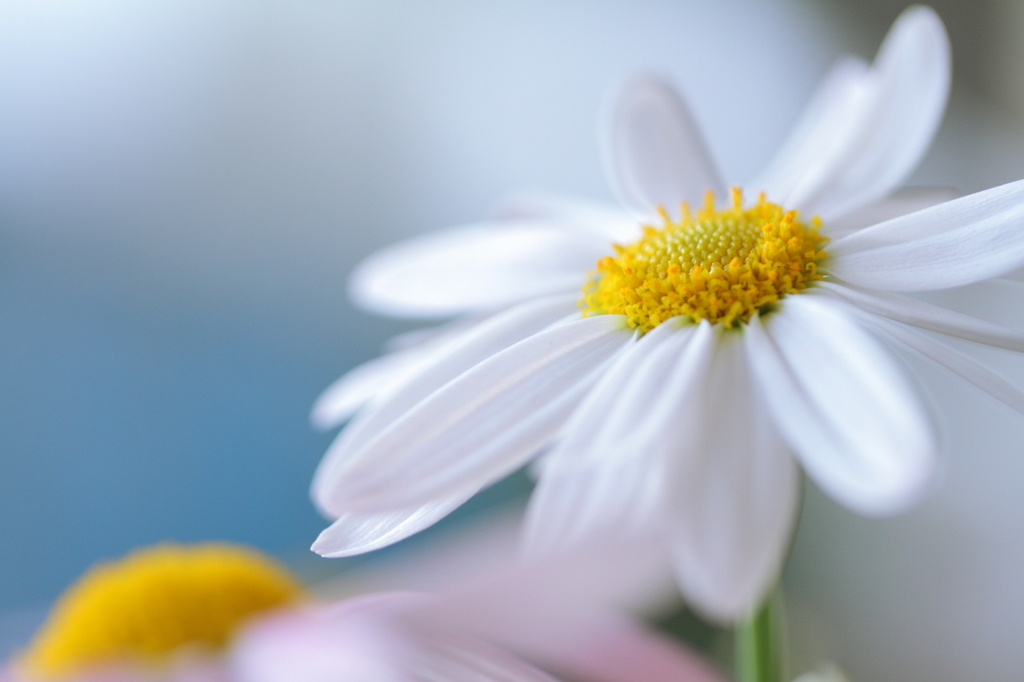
[760,653]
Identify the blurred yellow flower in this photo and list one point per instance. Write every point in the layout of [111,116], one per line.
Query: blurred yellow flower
[154,603]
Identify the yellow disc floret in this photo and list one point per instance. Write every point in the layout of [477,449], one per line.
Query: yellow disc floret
[155,601]
[720,265]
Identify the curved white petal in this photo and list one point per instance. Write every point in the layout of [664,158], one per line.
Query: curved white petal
[408,354]
[475,345]
[884,125]
[622,498]
[733,492]
[475,267]
[483,424]
[927,316]
[903,201]
[820,136]
[357,533]
[1015,275]
[843,404]
[959,242]
[344,397]
[612,223]
[972,371]
[435,333]
[633,410]
[654,149]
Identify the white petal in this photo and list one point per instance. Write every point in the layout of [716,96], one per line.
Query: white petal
[487,338]
[962,241]
[956,362]
[408,354]
[1015,275]
[901,202]
[346,395]
[891,114]
[653,409]
[424,335]
[654,149]
[570,508]
[611,223]
[928,316]
[843,404]
[635,406]
[734,492]
[356,533]
[820,136]
[475,267]
[483,424]
[607,476]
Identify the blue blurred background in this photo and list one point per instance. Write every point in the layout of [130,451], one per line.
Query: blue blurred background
[184,186]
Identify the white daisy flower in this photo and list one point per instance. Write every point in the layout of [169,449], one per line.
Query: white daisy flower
[717,350]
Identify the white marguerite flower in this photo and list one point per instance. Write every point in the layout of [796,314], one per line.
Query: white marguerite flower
[716,348]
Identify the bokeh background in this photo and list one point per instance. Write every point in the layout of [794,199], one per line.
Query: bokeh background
[185,184]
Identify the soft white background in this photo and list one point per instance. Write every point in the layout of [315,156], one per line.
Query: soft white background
[185,185]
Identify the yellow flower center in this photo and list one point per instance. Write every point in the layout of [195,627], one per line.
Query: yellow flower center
[152,603]
[720,265]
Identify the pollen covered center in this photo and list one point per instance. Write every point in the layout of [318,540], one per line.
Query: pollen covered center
[145,607]
[719,266]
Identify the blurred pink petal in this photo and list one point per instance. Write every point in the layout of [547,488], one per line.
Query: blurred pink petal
[370,638]
[617,649]
[402,637]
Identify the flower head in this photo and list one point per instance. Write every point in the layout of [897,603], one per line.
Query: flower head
[720,266]
[716,350]
[154,604]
